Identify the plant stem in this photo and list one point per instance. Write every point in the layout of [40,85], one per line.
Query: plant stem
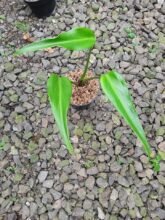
[84,80]
[86,66]
[88,79]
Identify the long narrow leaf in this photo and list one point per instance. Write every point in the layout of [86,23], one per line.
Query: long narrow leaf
[75,39]
[59,92]
[116,90]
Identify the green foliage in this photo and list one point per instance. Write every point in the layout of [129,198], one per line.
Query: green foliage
[22,26]
[153,48]
[2,145]
[75,39]
[88,164]
[32,146]
[11,169]
[59,92]
[116,90]
[34,158]
[2,17]
[130,33]
[17,177]
[112,83]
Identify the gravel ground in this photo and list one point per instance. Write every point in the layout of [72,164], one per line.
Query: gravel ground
[109,177]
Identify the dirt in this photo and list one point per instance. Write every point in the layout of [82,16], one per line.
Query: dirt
[82,95]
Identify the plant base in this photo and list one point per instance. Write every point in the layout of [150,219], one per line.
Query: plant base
[83,96]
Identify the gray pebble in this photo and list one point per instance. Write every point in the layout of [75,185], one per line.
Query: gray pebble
[161,179]
[48,183]
[82,172]
[131,201]
[138,200]
[123,181]
[102,182]
[63,178]
[111,180]
[25,212]
[101,214]
[62,215]
[57,204]
[87,204]
[89,183]
[33,209]
[115,167]
[78,212]
[47,198]
[95,6]
[42,176]
[68,187]
[160,213]
[92,171]
[1,115]
[100,126]
[118,149]
[81,193]
[56,195]
[12,77]
[124,64]
[9,67]
[114,195]
[138,166]
[11,216]
[23,189]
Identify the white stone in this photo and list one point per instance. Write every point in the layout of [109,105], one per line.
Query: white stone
[101,214]
[114,195]
[82,172]
[48,184]
[42,176]
[160,2]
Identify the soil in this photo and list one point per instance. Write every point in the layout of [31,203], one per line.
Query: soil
[82,95]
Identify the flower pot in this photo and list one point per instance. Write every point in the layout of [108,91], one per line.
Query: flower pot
[83,106]
[41,8]
[83,96]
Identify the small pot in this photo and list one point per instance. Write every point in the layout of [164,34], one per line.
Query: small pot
[84,106]
[83,96]
[41,8]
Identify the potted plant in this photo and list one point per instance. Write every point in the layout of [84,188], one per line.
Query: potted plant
[41,8]
[62,90]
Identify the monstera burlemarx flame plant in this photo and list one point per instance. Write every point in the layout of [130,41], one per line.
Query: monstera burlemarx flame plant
[112,83]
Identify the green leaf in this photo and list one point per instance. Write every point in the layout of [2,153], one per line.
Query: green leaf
[116,90]
[22,26]
[131,35]
[75,39]
[2,17]
[2,145]
[155,162]
[130,32]
[59,92]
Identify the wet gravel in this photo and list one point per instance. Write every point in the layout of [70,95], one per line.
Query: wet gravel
[109,177]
